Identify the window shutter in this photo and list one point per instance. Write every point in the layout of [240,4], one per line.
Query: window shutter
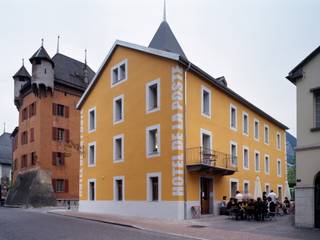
[54,109]
[67,135]
[30,110]
[54,134]
[66,113]
[54,156]
[66,185]
[62,158]
[54,181]
[34,108]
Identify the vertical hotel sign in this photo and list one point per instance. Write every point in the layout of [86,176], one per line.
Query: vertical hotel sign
[177,128]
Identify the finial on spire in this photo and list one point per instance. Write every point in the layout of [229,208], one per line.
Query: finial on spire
[22,61]
[58,44]
[85,57]
[164,11]
[4,127]
[42,42]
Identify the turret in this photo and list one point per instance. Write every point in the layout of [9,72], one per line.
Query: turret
[20,79]
[42,71]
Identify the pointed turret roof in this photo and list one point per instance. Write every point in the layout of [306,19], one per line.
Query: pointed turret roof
[165,40]
[22,72]
[41,53]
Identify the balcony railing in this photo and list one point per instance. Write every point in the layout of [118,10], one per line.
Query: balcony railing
[209,160]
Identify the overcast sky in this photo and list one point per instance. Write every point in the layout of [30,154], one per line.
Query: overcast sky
[253,43]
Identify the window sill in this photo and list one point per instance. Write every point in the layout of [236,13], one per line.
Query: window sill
[316,129]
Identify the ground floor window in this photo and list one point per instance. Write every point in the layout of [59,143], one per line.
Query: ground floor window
[234,186]
[92,190]
[280,193]
[246,187]
[60,185]
[154,187]
[118,185]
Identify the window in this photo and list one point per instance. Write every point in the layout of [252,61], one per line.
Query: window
[245,187]
[234,187]
[58,158]
[256,129]
[206,140]
[280,193]
[266,164]
[266,134]
[118,186]
[317,109]
[32,135]
[60,110]
[92,189]
[278,141]
[267,188]
[233,117]
[118,109]
[24,114]
[245,123]
[279,168]
[119,73]
[257,161]
[24,161]
[118,148]
[233,152]
[33,158]
[205,102]
[60,185]
[92,154]
[153,141]
[92,120]
[154,187]
[153,96]
[24,137]
[245,158]
[32,109]
[60,134]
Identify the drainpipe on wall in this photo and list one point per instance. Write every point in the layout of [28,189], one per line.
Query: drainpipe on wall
[185,139]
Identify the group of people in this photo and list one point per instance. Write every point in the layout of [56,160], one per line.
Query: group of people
[242,207]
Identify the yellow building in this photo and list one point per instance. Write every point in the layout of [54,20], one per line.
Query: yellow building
[160,137]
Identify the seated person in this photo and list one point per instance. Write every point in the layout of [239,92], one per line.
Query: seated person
[286,205]
[223,206]
[272,207]
[259,209]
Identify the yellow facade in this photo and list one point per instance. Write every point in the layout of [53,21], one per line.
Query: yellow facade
[142,68]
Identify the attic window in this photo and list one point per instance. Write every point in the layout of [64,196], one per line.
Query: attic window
[119,73]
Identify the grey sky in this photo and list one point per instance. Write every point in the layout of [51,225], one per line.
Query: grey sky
[254,44]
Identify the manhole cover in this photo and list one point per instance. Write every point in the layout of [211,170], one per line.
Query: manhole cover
[198,226]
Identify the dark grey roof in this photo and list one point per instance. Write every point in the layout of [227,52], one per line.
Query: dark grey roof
[165,40]
[22,72]
[297,72]
[41,53]
[5,149]
[69,71]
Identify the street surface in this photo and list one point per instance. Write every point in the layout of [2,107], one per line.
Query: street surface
[16,224]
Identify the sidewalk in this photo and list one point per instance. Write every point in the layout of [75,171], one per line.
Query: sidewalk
[215,228]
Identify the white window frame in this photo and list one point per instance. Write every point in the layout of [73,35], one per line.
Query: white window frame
[231,180]
[94,152]
[125,61]
[244,167]
[206,132]
[148,129]
[120,136]
[282,197]
[93,109]
[95,189]
[265,165]
[149,192]
[265,188]
[115,99]
[264,134]
[278,141]
[279,170]
[235,144]
[244,182]
[247,115]
[115,188]
[255,162]
[236,117]
[205,89]
[254,130]
[154,82]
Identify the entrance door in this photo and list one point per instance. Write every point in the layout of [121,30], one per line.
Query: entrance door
[317,201]
[206,193]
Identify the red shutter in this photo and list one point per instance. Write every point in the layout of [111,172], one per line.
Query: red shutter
[54,184]
[62,158]
[54,109]
[67,135]
[54,156]
[66,185]
[26,137]
[34,108]
[30,110]
[54,134]
[31,134]
[66,111]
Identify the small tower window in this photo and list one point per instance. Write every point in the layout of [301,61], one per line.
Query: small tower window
[45,71]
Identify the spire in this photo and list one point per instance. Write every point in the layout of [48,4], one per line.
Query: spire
[22,62]
[164,11]
[22,73]
[58,43]
[41,54]
[85,70]
[85,57]
[42,42]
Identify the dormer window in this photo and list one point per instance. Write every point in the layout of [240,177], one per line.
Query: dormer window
[119,73]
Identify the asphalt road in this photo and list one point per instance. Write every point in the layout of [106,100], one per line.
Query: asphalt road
[16,224]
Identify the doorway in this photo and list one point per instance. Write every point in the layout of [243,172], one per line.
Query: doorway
[206,195]
[317,201]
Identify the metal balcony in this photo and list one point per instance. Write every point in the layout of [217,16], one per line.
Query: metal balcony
[210,161]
